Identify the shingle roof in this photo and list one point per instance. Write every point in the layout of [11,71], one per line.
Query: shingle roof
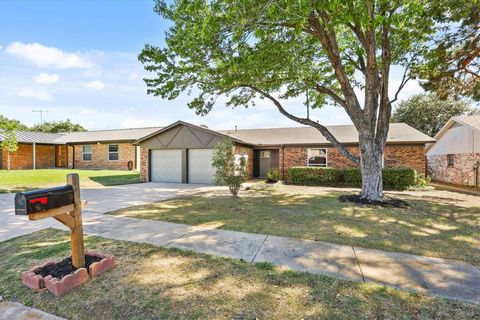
[36,137]
[106,135]
[399,133]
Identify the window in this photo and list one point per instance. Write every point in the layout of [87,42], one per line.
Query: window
[264,154]
[317,157]
[113,152]
[450,160]
[87,152]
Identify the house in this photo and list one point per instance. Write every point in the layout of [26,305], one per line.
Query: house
[181,152]
[103,149]
[455,157]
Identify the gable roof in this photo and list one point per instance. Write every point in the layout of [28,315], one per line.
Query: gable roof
[202,128]
[35,137]
[398,133]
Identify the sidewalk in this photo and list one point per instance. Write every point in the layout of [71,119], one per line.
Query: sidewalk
[17,311]
[440,277]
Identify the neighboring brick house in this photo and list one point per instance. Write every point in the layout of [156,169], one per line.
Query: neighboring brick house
[182,152]
[455,157]
[103,149]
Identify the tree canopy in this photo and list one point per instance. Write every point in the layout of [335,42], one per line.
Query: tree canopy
[58,127]
[428,113]
[340,52]
[6,122]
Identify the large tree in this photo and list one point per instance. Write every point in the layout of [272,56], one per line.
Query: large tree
[340,52]
[6,122]
[428,113]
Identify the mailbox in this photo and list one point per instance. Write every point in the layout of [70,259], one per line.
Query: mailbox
[44,199]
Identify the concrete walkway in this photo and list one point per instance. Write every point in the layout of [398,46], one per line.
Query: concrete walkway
[440,277]
[17,311]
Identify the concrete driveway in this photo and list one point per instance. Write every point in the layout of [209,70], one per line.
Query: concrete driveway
[100,200]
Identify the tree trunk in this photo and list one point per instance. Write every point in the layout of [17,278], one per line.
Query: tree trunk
[8,160]
[371,167]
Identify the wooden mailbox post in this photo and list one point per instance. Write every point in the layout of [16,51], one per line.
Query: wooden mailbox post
[70,215]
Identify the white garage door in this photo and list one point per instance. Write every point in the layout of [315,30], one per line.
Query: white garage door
[166,165]
[200,168]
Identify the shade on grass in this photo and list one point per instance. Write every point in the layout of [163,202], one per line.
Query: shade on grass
[427,227]
[157,283]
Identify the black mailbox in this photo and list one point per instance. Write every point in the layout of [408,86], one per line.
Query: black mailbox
[44,199]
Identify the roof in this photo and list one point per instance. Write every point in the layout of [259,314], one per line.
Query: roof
[106,135]
[398,133]
[203,128]
[36,137]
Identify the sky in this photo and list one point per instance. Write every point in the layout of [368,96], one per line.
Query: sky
[77,60]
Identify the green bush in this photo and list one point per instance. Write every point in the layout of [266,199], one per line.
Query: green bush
[273,175]
[393,178]
[314,176]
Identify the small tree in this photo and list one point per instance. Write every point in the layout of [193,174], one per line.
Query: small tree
[9,143]
[229,169]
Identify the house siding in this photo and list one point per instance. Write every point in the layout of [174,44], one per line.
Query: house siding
[243,150]
[395,156]
[23,157]
[126,153]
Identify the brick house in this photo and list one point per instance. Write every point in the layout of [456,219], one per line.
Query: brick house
[455,157]
[103,149]
[182,152]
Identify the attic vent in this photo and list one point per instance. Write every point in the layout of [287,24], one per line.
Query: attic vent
[204,126]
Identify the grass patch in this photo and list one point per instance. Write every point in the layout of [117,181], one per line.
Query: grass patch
[151,282]
[426,227]
[21,180]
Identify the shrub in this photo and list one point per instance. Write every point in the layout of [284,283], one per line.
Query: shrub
[273,175]
[393,178]
[314,176]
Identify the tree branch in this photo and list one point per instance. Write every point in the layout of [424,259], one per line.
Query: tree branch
[331,94]
[323,130]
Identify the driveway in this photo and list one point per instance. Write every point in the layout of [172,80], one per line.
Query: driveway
[100,200]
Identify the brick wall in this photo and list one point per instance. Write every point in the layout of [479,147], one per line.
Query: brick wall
[410,156]
[461,173]
[249,153]
[126,153]
[23,157]
[44,156]
[144,164]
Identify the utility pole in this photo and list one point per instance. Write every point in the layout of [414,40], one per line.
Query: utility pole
[41,114]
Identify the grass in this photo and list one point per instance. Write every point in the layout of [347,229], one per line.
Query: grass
[21,180]
[427,227]
[157,283]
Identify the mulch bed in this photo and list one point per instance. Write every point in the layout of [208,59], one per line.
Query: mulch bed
[65,267]
[387,202]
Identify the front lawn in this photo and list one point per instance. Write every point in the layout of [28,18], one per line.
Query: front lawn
[21,180]
[157,283]
[431,226]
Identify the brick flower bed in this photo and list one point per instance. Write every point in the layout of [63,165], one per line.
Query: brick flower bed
[39,277]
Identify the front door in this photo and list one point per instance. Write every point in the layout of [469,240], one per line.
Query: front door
[267,159]
[60,156]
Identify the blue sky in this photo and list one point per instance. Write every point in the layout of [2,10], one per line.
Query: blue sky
[78,60]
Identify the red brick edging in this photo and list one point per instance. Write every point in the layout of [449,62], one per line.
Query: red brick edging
[62,286]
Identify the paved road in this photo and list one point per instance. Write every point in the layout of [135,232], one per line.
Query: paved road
[100,200]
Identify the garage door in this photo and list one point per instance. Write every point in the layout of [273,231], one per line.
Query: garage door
[200,168]
[166,165]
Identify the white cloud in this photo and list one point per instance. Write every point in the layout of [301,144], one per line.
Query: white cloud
[34,94]
[45,78]
[44,56]
[95,85]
